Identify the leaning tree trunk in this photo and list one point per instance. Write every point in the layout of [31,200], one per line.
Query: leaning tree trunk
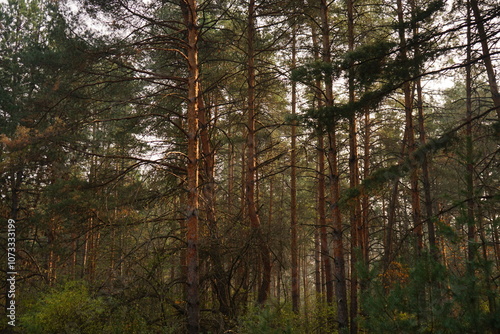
[492,81]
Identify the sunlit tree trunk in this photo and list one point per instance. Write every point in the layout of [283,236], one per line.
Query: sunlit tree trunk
[189,8]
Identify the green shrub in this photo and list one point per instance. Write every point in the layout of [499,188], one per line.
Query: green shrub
[70,309]
[268,320]
[428,298]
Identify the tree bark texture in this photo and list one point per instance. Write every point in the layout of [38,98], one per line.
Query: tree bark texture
[338,244]
[189,8]
[326,276]
[355,205]
[408,105]
[253,214]
[492,80]
[293,194]
[426,183]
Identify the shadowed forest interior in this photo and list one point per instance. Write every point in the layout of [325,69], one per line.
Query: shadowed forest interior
[250,166]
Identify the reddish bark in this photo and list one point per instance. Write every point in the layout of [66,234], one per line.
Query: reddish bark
[189,8]
[338,245]
[326,276]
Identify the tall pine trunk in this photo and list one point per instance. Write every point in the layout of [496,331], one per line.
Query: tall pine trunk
[189,8]
[426,180]
[391,213]
[326,264]
[221,283]
[426,183]
[469,178]
[365,204]
[265,258]
[293,192]
[408,105]
[355,205]
[338,244]
[323,232]
[471,225]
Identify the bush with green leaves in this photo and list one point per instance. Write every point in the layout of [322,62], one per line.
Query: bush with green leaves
[269,319]
[72,308]
[69,309]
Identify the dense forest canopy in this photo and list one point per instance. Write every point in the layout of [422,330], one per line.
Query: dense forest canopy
[229,166]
